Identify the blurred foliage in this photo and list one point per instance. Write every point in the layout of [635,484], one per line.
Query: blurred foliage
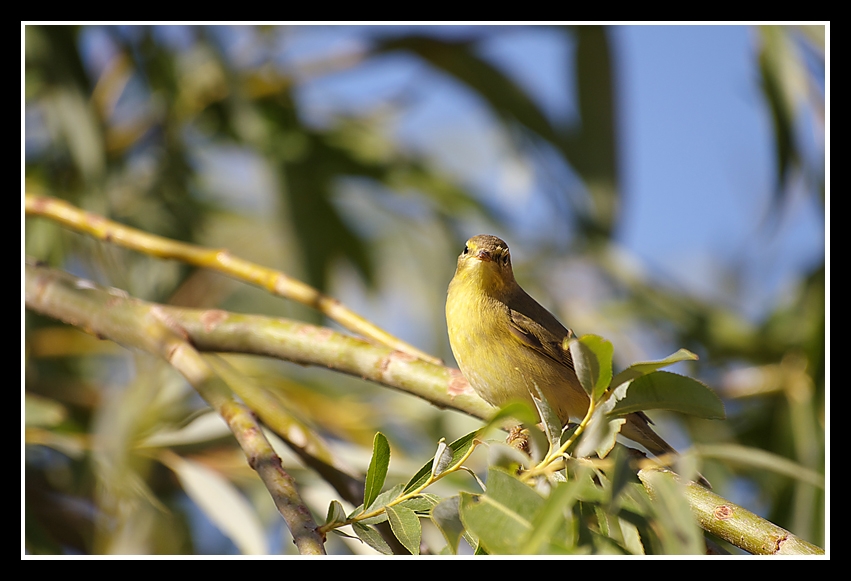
[207,134]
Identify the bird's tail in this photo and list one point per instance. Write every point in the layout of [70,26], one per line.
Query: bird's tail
[637,428]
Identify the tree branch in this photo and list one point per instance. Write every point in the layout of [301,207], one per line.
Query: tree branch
[135,324]
[220,260]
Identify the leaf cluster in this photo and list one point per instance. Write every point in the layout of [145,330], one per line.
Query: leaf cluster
[132,123]
[580,508]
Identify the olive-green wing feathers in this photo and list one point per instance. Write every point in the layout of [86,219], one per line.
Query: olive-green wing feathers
[536,337]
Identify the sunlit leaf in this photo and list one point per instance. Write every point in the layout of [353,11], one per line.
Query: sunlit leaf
[592,361]
[459,449]
[372,538]
[442,458]
[669,391]
[762,460]
[377,471]
[336,514]
[645,367]
[446,517]
[502,517]
[380,501]
[549,418]
[676,527]
[406,526]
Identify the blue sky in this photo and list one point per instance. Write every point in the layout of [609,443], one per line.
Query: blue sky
[696,143]
[697,164]
[695,123]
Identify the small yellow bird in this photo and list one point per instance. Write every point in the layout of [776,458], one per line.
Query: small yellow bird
[505,342]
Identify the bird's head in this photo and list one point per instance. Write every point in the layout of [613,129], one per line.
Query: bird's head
[486,262]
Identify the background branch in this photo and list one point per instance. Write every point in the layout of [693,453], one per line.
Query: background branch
[220,260]
[134,324]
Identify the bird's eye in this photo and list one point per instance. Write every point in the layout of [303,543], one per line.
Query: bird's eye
[466,250]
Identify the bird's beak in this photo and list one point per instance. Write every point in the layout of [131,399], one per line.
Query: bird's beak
[483,255]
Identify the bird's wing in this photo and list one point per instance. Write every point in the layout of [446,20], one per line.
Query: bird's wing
[534,336]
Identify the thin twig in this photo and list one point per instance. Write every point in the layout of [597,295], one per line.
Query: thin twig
[274,281]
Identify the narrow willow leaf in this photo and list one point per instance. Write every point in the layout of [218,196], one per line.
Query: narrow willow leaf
[406,526]
[585,364]
[377,471]
[601,362]
[502,517]
[445,516]
[372,538]
[600,435]
[516,411]
[340,533]
[549,525]
[631,537]
[336,514]
[381,501]
[762,460]
[459,449]
[619,474]
[423,503]
[442,458]
[676,527]
[549,418]
[669,391]
[475,477]
[645,367]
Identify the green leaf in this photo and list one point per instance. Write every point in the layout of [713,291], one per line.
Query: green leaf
[459,449]
[784,86]
[507,457]
[516,411]
[372,538]
[442,459]
[669,391]
[585,364]
[423,503]
[549,525]
[447,519]
[762,460]
[675,526]
[592,361]
[336,514]
[645,367]
[406,526]
[377,471]
[549,418]
[502,517]
[600,435]
[619,474]
[380,501]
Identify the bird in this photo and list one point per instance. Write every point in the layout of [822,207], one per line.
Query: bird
[505,343]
